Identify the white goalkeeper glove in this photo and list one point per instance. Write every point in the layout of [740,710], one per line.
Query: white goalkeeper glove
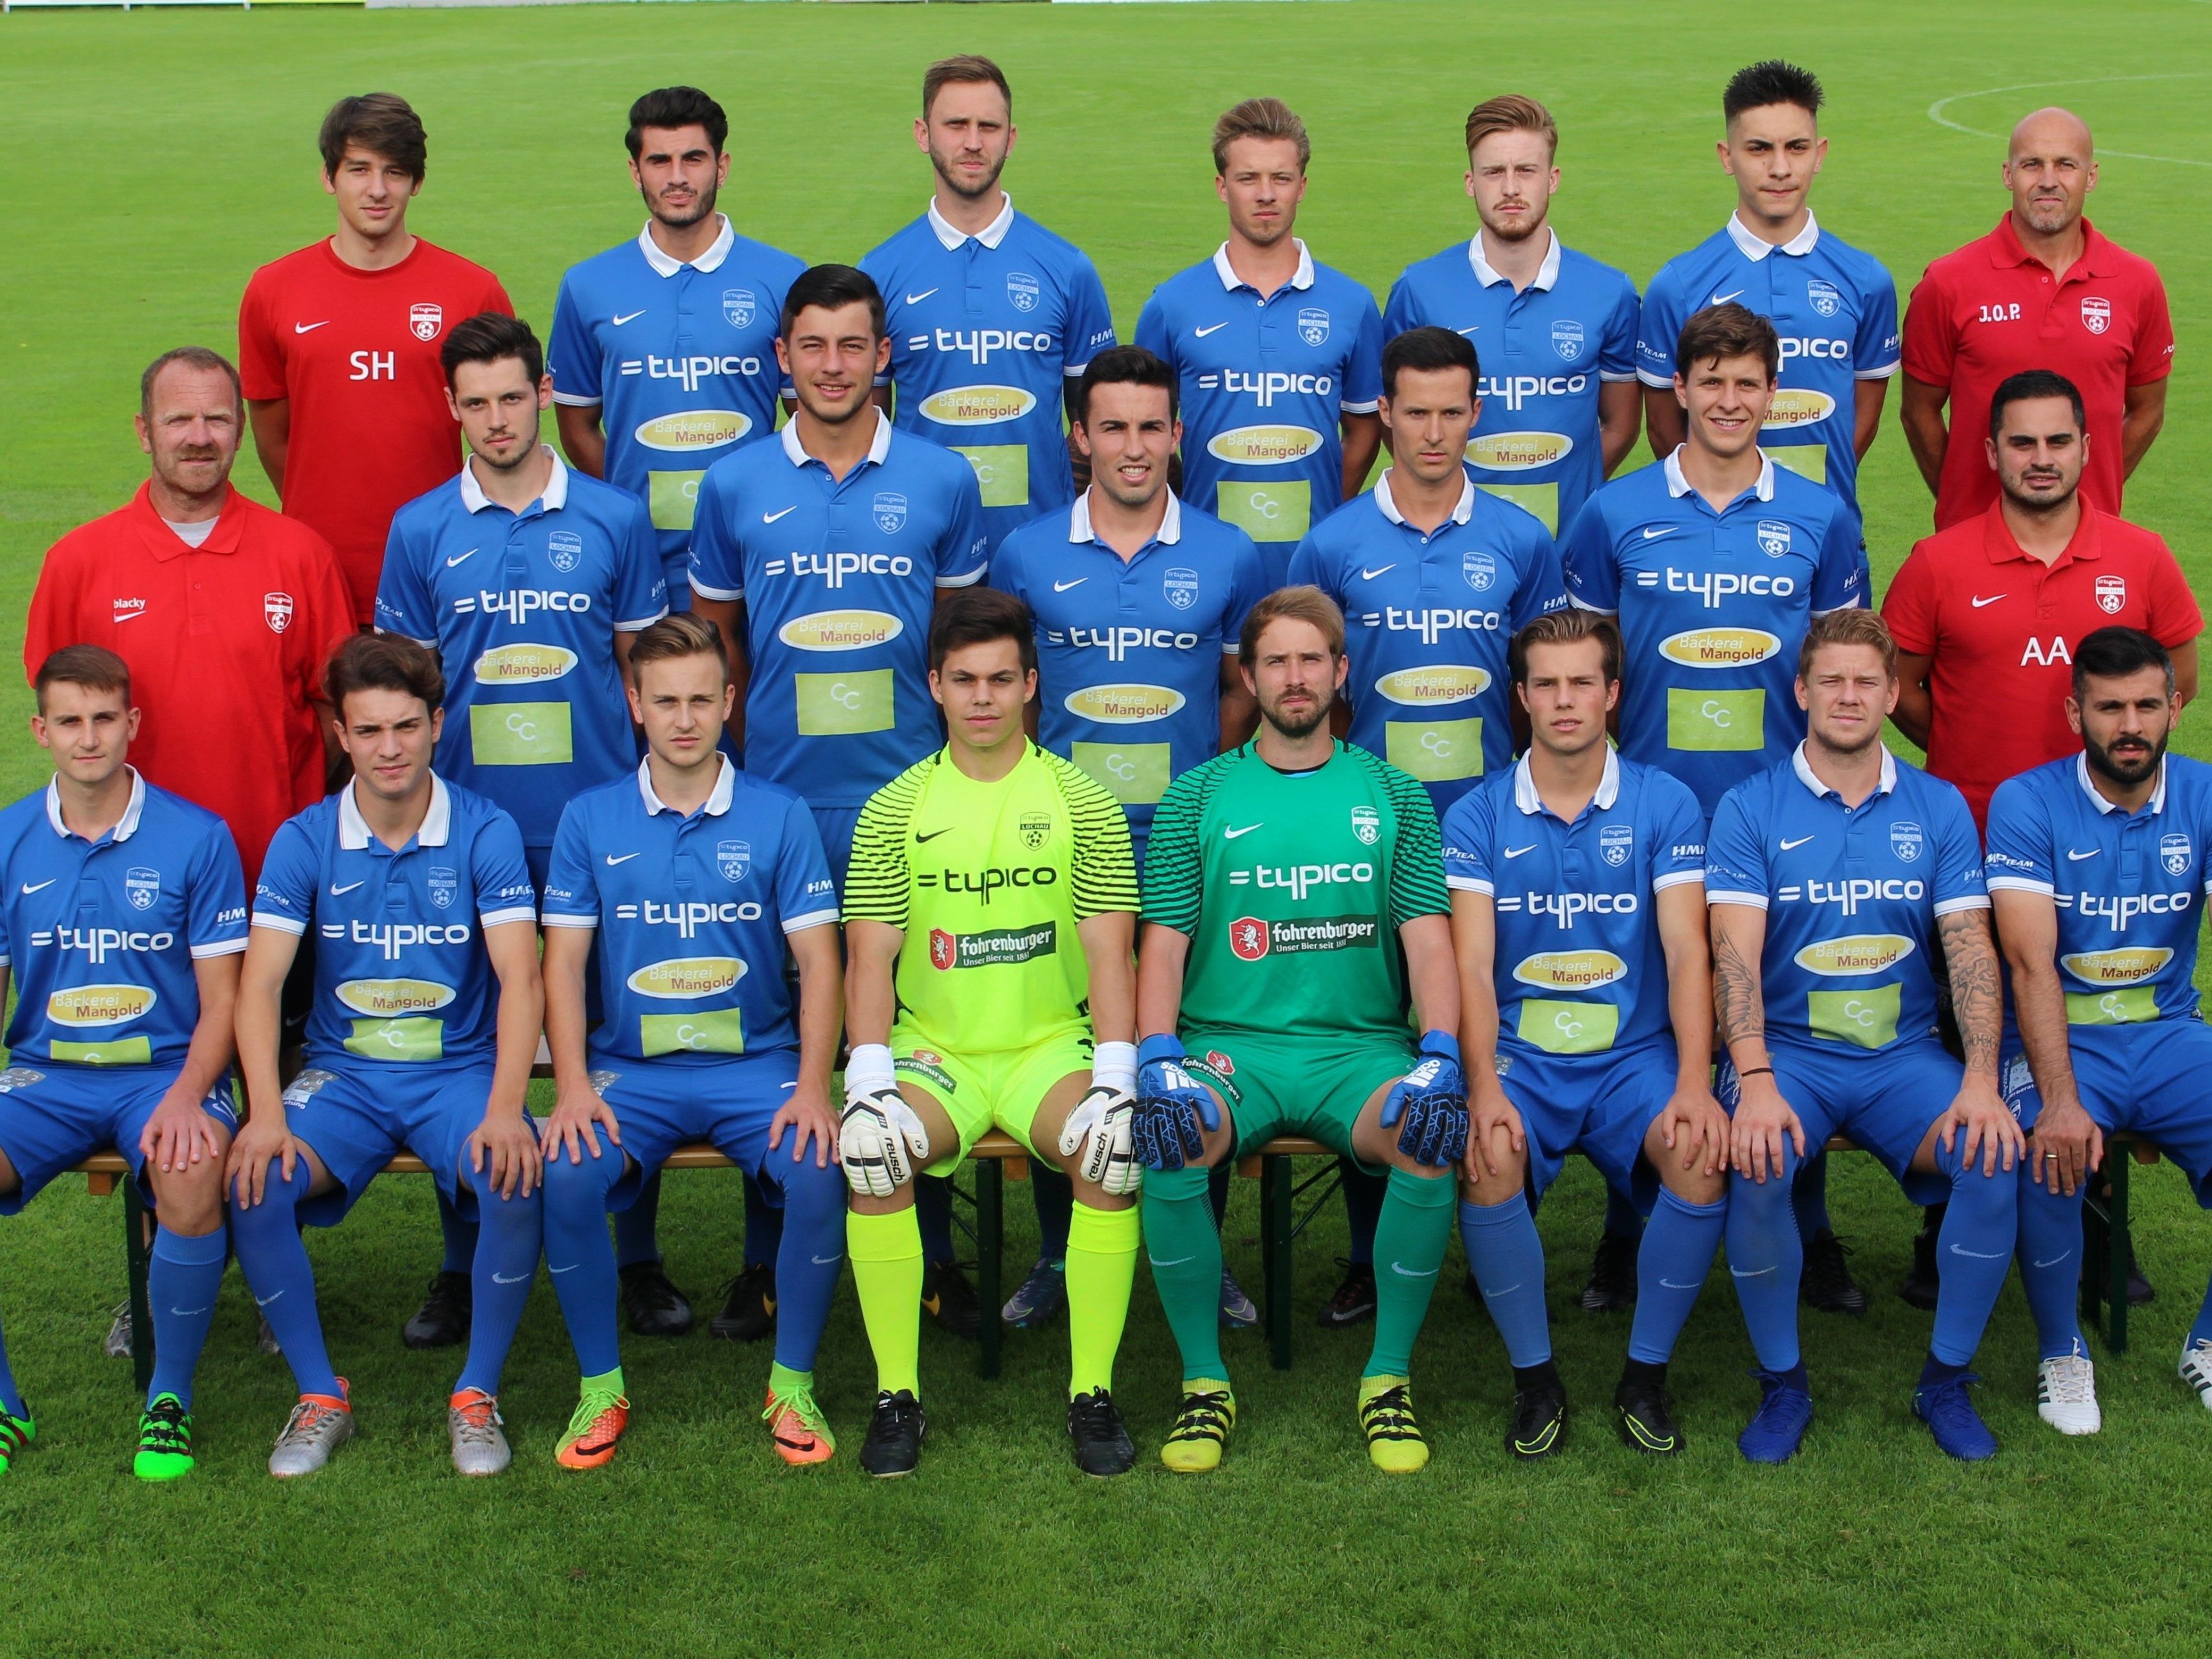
[1106,1115]
[881,1142]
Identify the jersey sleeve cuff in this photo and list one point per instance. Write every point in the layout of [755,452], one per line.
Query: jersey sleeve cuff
[512,913]
[1471,885]
[1723,896]
[554,918]
[214,947]
[968,580]
[1679,879]
[1877,373]
[1367,408]
[706,592]
[642,622]
[577,400]
[1965,902]
[1631,378]
[1595,610]
[282,924]
[2024,884]
[1655,380]
[811,918]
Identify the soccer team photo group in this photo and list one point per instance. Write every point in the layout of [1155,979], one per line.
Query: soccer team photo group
[832,709]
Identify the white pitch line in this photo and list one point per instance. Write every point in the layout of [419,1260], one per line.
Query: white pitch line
[1936,111]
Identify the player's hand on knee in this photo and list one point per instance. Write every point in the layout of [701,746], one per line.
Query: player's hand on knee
[1694,1126]
[245,1174]
[1170,1105]
[1982,1126]
[578,1116]
[177,1135]
[1764,1121]
[503,1150]
[2068,1146]
[880,1141]
[1432,1102]
[1106,1116]
[1490,1114]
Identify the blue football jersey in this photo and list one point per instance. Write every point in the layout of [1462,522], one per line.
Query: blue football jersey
[1129,652]
[1851,896]
[1577,964]
[1543,353]
[1713,608]
[1264,386]
[838,577]
[402,977]
[101,936]
[986,332]
[680,360]
[522,609]
[1427,616]
[1835,309]
[2127,884]
[692,912]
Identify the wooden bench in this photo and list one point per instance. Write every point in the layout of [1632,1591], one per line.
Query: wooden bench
[2107,1229]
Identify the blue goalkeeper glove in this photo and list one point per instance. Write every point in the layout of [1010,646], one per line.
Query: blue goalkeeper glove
[1431,1099]
[1170,1105]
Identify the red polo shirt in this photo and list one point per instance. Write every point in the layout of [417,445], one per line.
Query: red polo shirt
[355,353]
[225,643]
[1991,310]
[2002,628]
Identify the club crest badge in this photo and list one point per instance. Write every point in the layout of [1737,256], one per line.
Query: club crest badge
[1773,538]
[890,509]
[425,320]
[2096,314]
[1479,569]
[1823,297]
[738,306]
[733,859]
[276,611]
[2112,594]
[565,548]
[1568,339]
[1615,843]
[1906,838]
[1367,824]
[142,886]
[445,887]
[2173,853]
[1023,290]
[1313,325]
[1179,586]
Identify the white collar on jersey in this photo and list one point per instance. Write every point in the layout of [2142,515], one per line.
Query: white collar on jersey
[1804,769]
[1079,529]
[1489,275]
[717,798]
[437,823]
[1388,503]
[878,447]
[1755,250]
[554,497]
[1679,485]
[1609,786]
[663,266]
[990,236]
[1301,277]
[125,827]
[2080,776]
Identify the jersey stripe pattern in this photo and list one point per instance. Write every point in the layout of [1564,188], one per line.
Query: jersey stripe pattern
[989,881]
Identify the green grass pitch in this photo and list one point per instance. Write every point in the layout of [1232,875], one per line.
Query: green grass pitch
[153,159]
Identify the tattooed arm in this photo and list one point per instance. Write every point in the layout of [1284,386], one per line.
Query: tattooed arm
[1978,1113]
[1762,1119]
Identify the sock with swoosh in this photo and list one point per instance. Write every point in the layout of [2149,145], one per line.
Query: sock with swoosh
[1101,1266]
[507,1244]
[579,1260]
[1411,1232]
[1975,1247]
[181,1285]
[2049,1254]
[274,1258]
[886,1252]
[1671,1265]
[1185,1248]
[1508,1262]
[810,1255]
[1766,1259]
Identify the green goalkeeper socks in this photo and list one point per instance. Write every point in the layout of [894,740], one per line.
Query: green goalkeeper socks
[1101,1265]
[1410,1240]
[1185,1249]
[886,1252]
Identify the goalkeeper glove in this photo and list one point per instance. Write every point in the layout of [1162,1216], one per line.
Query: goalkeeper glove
[881,1142]
[1431,1098]
[1106,1114]
[1166,1132]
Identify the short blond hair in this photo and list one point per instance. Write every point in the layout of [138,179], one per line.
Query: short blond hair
[1510,112]
[1304,603]
[1853,626]
[1260,117]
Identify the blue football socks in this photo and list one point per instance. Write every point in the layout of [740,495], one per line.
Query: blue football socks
[1508,1260]
[1671,1265]
[181,1285]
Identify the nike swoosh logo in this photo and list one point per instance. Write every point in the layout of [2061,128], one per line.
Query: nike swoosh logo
[1231,835]
[825,1261]
[1210,328]
[918,837]
[1979,601]
[498,1278]
[1983,1255]
[1792,846]
[1487,1292]
[40,887]
[612,861]
[1652,533]
[1723,299]
[1516,852]
[1669,1285]
[1177,1263]
[770,518]
[2073,857]
[632,318]
[1062,587]
[1367,575]
[2054,1261]
[916,299]
[570,1268]
[264,1301]
[1477,329]
[188,1313]
[337,891]
[1754,1272]
[461,558]
[1407,1273]
[133,617]
[309,328]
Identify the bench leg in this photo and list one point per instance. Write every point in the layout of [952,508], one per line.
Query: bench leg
[990,1259]
[1277,1224]
[2118,1252]
[138,1252]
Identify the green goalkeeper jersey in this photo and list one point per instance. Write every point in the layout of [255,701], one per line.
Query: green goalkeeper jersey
[1291,887]
[989,881]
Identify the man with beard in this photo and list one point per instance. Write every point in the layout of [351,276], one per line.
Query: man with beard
[662,349]
[2098,864]
[992,318]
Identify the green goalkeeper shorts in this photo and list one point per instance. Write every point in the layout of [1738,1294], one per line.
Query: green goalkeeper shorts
[1282,1085]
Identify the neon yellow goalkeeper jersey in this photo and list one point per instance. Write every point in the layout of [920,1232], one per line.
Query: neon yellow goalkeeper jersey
[989,881]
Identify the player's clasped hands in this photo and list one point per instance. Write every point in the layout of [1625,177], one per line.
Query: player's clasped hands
[881,1141]
[1171,1106]
[1763,1121]
[1432,1101]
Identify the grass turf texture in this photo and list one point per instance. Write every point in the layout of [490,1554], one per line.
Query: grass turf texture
[128,235]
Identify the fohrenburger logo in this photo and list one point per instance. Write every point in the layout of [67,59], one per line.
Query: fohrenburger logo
[994,947]
[1251,937]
